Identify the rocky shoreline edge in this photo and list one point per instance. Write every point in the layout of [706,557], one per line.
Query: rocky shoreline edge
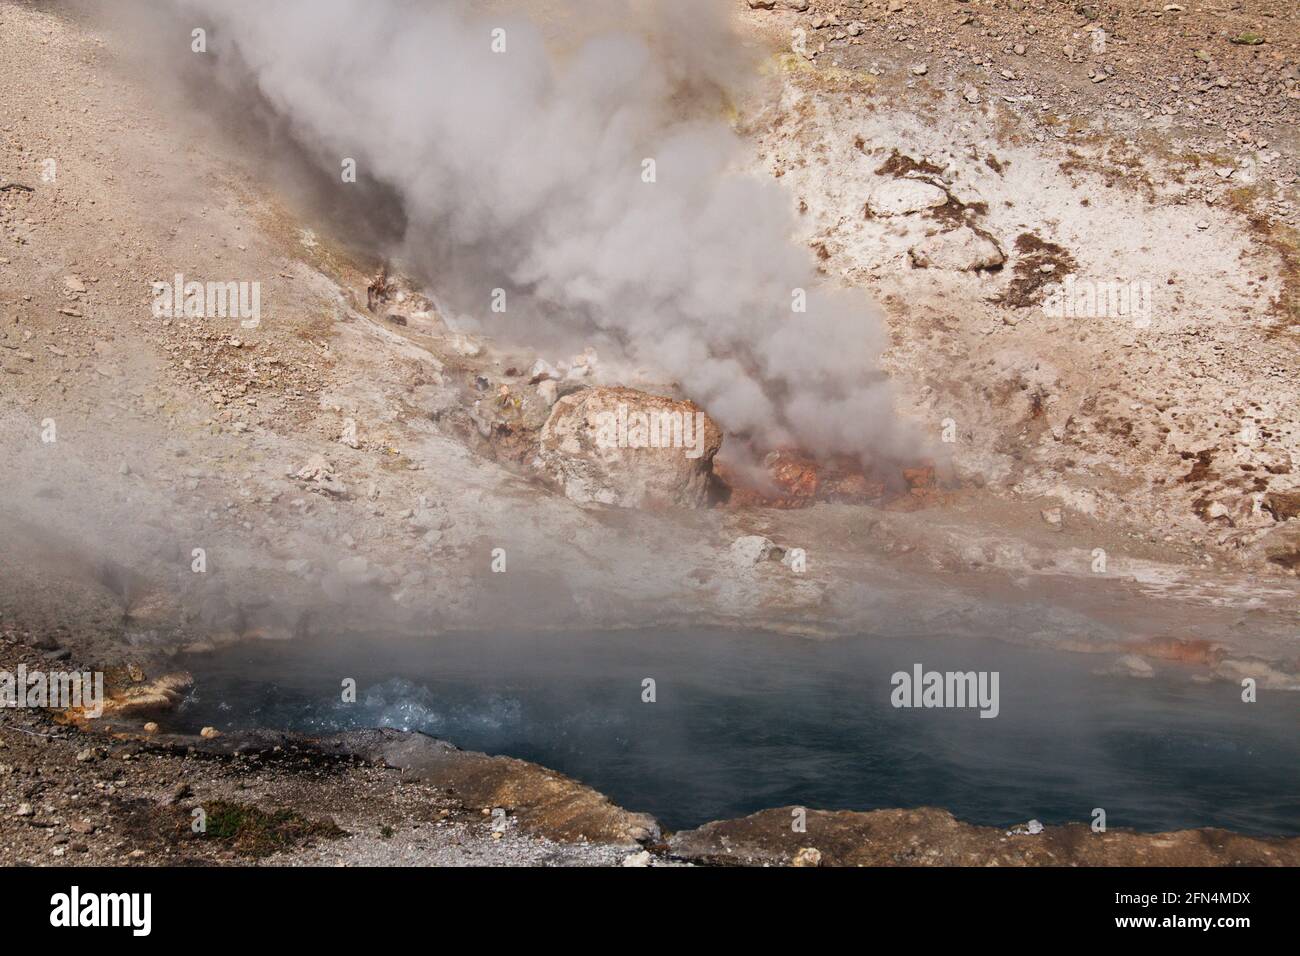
[388,797]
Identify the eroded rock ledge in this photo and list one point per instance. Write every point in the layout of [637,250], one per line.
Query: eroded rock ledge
[932,837]
[541,801]
[551,805]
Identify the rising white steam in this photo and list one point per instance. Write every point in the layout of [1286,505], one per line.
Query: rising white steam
[522,170]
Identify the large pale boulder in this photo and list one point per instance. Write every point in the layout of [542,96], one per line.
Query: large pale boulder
[619,446]
[958,250]
[899,197]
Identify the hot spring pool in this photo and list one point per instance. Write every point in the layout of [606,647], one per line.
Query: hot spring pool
[742,722]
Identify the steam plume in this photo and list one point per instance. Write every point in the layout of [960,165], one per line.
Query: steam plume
[522,170]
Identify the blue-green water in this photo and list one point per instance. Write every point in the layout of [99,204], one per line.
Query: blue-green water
[742,722]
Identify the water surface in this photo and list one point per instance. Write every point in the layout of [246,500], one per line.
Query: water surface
[742,722]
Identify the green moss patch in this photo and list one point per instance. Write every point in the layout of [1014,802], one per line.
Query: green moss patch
[254,832]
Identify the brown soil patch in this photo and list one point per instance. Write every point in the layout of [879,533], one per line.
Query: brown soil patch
[1034,253]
